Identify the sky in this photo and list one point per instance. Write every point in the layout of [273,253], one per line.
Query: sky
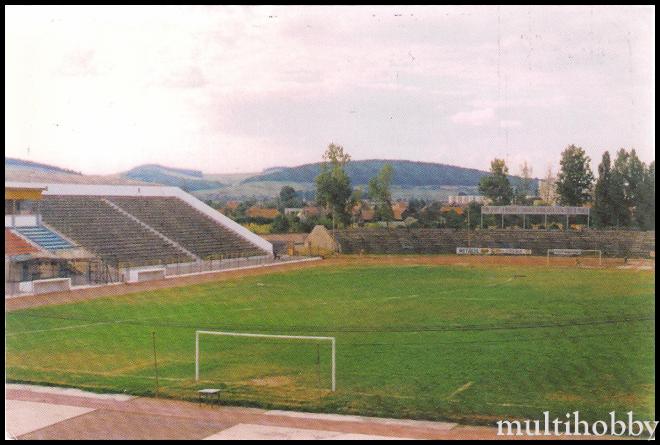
[238,89]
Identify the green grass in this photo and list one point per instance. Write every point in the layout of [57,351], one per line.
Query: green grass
[428,342]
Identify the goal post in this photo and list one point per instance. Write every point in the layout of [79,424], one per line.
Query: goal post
[289,337]
[583,253]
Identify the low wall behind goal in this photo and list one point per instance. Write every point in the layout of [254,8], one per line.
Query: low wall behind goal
[613,243]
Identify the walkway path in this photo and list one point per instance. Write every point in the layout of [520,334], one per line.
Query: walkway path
[33,412]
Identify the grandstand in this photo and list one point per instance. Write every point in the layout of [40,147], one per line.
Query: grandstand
[102,229]
[125,227]
[613,243]
[173,218]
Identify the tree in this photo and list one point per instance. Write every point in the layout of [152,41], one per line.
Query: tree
[605,194]
[496,186]
[547,189]
[288,198]
[634,191]
[280,224]
[645,213]
[414,207]
[637,185]
[430,214]
[524,186]
[453,220]
[379,191]
[622,202]
[575,178]
[474,214]
[333,186]
[357,205]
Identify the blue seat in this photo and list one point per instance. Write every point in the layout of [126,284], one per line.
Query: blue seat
[44,237]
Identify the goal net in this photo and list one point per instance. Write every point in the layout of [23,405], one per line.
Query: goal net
[265,360]
[575,257]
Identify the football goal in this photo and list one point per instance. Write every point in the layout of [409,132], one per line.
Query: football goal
[582,256]
[331,340]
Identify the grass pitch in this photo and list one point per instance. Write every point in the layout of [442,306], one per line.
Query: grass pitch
[471,344]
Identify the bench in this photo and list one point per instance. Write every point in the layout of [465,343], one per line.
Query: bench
[208,393]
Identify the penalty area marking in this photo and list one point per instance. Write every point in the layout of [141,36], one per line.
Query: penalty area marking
[104,374]
[66,327]
[459,390]
[332,340]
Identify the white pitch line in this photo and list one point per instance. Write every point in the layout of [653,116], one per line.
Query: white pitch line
[105,374]
[459,390]
[65,327]
[402,297]
[500,283]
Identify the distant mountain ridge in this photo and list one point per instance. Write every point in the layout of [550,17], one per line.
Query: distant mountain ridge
[181,171]
[188,180]
[21,163]
[406,173]
[411,179]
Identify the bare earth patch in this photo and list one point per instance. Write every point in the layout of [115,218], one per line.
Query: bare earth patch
[271,381]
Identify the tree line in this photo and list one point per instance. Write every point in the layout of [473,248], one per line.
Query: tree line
[623,194]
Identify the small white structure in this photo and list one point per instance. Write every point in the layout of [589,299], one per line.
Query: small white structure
[293,210]
[45,286]
[466,199]
[138,274]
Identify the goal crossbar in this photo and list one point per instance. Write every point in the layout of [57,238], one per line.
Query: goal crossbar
[574,253]
[290,337]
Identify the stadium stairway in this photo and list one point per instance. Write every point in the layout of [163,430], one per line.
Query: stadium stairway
[44,237]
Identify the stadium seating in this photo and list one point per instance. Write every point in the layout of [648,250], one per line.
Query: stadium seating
[97,226]
[190,228]
[616,243]
[44,237]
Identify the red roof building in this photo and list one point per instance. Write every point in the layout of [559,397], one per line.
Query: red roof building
[15,245]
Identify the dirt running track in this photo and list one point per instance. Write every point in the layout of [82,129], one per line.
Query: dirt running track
[33,414]
[16,303]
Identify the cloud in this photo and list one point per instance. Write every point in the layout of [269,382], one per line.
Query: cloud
[475,118]
[191,77]
[79,63]
[510,123]
[382,80]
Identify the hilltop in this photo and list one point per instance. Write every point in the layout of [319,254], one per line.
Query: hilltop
[188,180]
[406,173]
[424,180]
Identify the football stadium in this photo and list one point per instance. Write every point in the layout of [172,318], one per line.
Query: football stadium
[145,290]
